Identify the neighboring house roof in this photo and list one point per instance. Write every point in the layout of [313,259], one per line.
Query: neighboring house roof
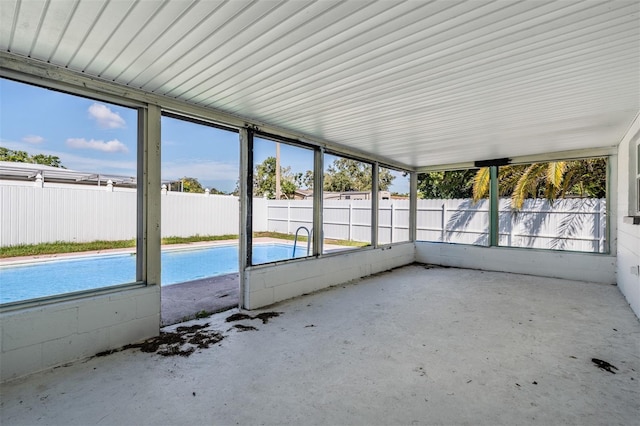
[29,171]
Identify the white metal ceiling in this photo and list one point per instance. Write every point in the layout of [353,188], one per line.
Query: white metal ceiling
[419,82]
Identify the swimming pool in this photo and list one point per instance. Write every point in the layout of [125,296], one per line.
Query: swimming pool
[60,276]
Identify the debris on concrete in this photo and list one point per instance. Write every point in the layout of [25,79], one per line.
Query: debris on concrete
[604,365]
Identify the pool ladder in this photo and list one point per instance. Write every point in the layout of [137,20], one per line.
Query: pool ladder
[295,240]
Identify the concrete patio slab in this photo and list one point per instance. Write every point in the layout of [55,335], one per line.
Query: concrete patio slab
[418,345]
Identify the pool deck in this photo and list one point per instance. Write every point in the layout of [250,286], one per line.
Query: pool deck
[186,301]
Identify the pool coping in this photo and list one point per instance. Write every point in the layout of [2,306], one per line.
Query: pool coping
[20,260]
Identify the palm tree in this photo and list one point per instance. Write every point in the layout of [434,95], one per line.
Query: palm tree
[553,180]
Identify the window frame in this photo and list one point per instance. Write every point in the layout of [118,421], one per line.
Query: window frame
[144,274]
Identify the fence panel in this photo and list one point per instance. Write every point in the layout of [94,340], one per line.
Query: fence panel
[185,214]
[32,215]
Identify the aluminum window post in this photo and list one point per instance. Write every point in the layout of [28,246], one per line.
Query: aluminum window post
[149,235]
[375,173]
[318,201]
[494,205]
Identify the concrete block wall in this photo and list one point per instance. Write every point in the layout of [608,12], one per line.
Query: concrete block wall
[269,284]
[545,263]
[46,336]
[628,235]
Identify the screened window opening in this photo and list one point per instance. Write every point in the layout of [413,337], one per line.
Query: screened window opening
[200,172]
[393,206]
[447,211]
[282,219]
[559,205]
[68,191]
[346,197]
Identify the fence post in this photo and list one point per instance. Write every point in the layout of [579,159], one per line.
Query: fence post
[443,234]
[350,221]
[597,244]
[288,217]
[39,183]
[392,222]
[511,230]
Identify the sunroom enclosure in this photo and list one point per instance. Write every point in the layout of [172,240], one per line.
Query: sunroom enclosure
[45,333]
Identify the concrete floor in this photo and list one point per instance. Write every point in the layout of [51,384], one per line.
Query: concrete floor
[184,301]
[413,346]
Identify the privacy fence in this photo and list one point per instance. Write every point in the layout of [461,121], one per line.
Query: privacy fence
[31,215]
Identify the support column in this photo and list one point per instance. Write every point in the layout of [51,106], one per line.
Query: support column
[375,173]
[148,196]
[318,201]
[245,198]
[413,206]
[494,204]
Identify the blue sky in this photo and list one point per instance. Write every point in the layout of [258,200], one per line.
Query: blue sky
[99,137]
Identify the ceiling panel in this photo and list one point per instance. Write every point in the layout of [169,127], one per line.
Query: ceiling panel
[421,83]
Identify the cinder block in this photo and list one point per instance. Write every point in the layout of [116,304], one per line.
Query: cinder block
[77,346]
[256,278]
[260,298]
[134,331]
[19,362]
[148,303]
[105,312]
[287,291]
[25,328]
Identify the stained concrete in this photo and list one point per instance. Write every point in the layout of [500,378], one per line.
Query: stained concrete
[188,300]
[413,346]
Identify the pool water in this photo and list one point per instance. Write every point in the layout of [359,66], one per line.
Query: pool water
[53,277]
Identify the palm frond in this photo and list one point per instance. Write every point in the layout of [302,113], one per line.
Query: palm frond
[555,173]
[526,186]
[481,184]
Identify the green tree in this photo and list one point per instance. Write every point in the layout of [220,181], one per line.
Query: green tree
[552,180]
[446,185]
[25,157]
[345,175]
[187,184]
[305,180]
[264,180]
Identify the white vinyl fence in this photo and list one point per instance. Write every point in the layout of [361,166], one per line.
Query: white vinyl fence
[31,215]
[342,219]
[570,224]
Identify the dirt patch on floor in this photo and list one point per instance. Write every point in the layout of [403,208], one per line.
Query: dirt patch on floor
[264,317]
[186,339]
[238,317]
[183,342]
[242,327]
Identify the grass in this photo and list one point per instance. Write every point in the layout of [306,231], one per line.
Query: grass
[68,247]
[62,247]
[304,238]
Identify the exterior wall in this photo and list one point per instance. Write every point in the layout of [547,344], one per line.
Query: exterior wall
[269,284]
[628,234]
[568,265]
[41,337]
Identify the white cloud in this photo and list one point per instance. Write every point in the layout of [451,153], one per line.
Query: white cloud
[109,146]
[34,139]
[106,118]
[80,163]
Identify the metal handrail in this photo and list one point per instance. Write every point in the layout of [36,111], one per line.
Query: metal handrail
[295,240]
